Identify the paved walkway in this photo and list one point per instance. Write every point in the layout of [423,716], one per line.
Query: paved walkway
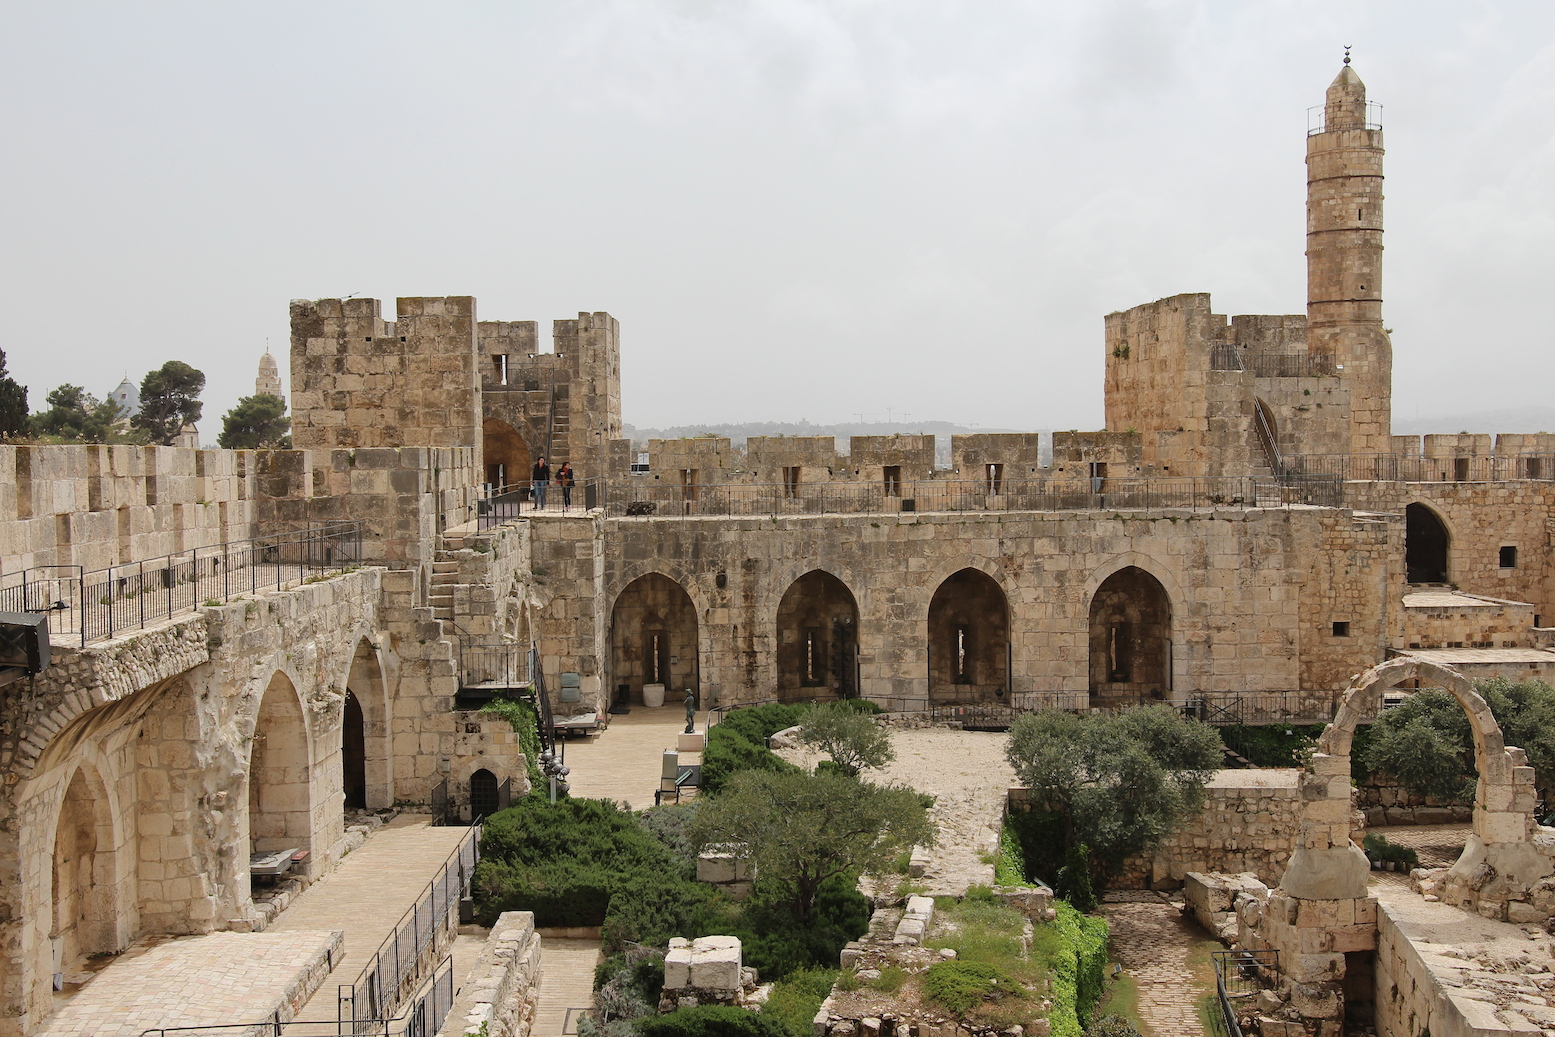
[197,981]
[567,981]
[1165,953]
[1439,846]
[624,761]
[366,895]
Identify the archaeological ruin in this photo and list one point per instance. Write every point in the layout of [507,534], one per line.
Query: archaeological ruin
[248,647]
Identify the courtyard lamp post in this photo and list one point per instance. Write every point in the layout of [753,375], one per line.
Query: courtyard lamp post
[556,772]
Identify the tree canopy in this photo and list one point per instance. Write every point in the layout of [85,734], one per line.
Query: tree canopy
[1426,743]
[852,738]
[257,421]
[13,404]
[801,829]
[76,416]
[1119,781]
[169,400]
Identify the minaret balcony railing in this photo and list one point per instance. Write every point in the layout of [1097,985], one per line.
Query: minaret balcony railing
[1317,119]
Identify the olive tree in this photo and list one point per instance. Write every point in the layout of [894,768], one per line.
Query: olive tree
[1118,782]
[852,739]
[801,829]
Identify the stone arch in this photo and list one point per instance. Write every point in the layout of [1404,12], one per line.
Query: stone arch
[1130,639]
[655,637]
[84,874]
[483,793]
[365,682]
[1327,865]
[1267,433]
[817,637]
[1427,544]
[280,771]
[968,638]
[504,453]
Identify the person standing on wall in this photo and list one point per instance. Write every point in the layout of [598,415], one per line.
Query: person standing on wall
[564,479]
[539,479]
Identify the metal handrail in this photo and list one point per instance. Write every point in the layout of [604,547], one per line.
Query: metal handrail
[379,990]
[96,604]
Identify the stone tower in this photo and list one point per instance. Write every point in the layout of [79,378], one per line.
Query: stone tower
[269,381]
[1344,257]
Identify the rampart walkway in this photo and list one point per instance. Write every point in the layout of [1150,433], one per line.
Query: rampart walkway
[364,897]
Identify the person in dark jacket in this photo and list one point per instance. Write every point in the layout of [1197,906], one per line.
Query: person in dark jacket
[539,479]
[565,480]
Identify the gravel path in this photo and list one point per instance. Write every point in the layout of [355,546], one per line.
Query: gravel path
[967,774]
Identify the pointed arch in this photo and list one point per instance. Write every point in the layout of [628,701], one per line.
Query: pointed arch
[654,637]
[1130,639]
[817,638]
[969,639]
[280,770]
[365,683]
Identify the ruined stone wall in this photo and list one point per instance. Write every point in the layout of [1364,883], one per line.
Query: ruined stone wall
[592,343]
[1481,518]
[572,626]
[1157,362]
[1239,582]
[1247,824]
[815,456]
[1466,625]
[358,381]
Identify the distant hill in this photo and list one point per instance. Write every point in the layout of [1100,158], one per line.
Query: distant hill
[738,433]
[1534,418]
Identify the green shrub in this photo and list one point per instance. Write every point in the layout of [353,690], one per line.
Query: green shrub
[712,1021]
[1073,882]
[1269,745]
[1040,837]
[777,942]
[1377,848]
[1079,963]
[890,979]
[1112,1026]
[795,1000]
[668,824]
[1009,868]
[960,986]
[729,751]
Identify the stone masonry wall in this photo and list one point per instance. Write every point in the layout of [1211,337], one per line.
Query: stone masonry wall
[1238,581]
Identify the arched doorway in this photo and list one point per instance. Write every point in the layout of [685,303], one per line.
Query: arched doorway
[353,754]
[483,794]
[1130,640]
[653,638]
[504,453]
[1426,544]
[969,638]
[365,684]
[280,791]
[1267,434]
[817,629]
[84,902]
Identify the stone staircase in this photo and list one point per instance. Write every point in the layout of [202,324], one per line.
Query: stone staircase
[561,438]
[445,577]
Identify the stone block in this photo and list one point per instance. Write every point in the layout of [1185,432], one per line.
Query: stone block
[692,743]
[715,963]
[677,964]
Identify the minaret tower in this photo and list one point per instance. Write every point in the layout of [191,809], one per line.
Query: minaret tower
[1344,257]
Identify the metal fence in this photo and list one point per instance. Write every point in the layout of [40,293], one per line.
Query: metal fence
[1251,707]
[1239,975]
[422,1017]
[392,974]
[1268,364]
[90,606]
[499,504]
[1416,468]
[501,664]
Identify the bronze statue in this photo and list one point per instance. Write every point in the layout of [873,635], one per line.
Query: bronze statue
[691,711]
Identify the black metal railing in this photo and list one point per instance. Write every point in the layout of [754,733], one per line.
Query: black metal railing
[93,605]
[1227,356]
[1318,119]
[422,1016]
[542,701]
[392,975]
[500,664]
[1239,975]
[1418,468]
[513,501]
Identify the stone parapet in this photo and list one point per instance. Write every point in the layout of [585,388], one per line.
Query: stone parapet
[497,997]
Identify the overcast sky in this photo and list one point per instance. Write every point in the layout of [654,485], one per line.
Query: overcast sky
[797,209]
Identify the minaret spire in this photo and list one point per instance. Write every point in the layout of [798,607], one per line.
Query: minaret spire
[1344,256]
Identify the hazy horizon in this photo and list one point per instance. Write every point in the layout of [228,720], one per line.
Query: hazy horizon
[823,208]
